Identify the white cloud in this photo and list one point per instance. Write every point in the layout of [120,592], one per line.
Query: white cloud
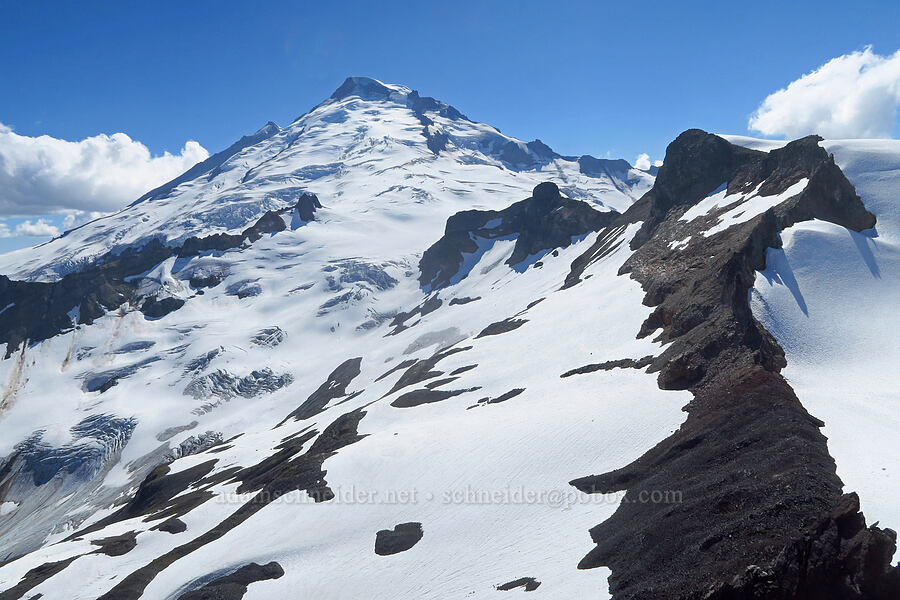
[44,175]
[643,162]
[39,228]
[80,217]
[852,96]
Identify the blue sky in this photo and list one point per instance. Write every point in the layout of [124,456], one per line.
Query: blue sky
[604,78]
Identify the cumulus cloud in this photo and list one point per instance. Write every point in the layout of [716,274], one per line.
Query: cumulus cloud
[39,228]
[45,175]
[79,217]
[643,162]
[852,96]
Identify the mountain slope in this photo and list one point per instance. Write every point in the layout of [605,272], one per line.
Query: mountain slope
[440,382]
[368,152]
[828,298]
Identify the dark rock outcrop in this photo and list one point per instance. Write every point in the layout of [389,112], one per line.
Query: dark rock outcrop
[157,308]
[270,222]
[622,363]
[40,310]
[365,88]
[422,370]
[288,470]
[529,584]
[748,473]
[501,398]
[540,223]
[172,525]
[35,577]
[116,545]
[599,167]
[399,539]
[839,558]
[307,205]
[234,585]
[499,327]
[426,396]
[334,387]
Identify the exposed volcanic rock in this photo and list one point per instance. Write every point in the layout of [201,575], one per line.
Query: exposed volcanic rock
[529,584]
[399,539]
[398,367]
[421,370]
[157,308]
[270,222]
[116,545]
[156,496]
[426,396]
[38,310]
[499,327]
[439,382]
[542,222]
[234,585]
[696,163]
[501,398]
[526,156]
[307,205]
[283,472]
[172,525]
[34,578]
[431,304]
[334,387]
[622,363]
[748,473]
[839,558]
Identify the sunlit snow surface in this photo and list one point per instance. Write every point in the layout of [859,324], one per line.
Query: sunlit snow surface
[740,207]
[368,162]
[830,298]
[558,429]
[489,483]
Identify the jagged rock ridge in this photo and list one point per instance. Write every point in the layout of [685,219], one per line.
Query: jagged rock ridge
[228,467]
[540,223]
[751,463]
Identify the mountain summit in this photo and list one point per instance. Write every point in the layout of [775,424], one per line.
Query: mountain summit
[370,147]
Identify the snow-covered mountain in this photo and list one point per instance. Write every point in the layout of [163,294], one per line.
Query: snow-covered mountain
[389,352]
[382,159]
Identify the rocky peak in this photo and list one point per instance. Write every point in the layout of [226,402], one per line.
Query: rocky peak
[696,163]
[596,167]
[545,221]
[267,130]
[364,87]
[697,273]
[307,205]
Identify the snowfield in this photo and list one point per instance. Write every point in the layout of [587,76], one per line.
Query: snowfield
[488,481]
[463,421]
[829,297]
